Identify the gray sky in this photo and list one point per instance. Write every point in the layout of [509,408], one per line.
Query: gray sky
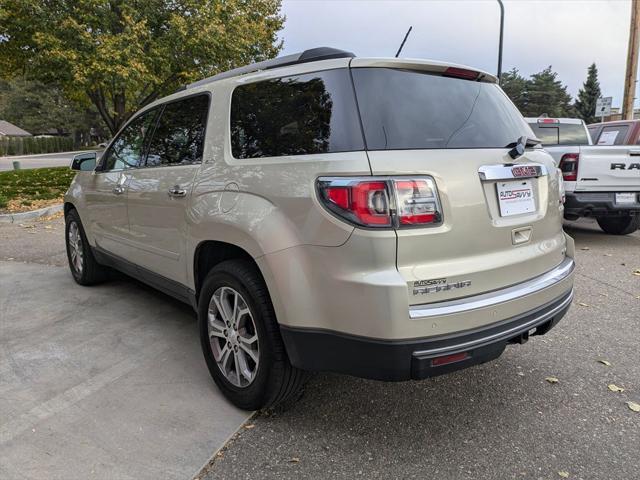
[567,34]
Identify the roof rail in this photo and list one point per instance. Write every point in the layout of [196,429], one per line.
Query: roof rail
[311,55]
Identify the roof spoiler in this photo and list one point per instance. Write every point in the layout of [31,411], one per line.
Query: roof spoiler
[311,55]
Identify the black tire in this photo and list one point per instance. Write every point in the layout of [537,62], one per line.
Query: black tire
[91,271]
[619,225]
[276,381]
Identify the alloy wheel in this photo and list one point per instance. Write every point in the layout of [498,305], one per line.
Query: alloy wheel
[75,247]
[233,336]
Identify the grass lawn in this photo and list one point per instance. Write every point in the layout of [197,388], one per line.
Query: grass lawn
[23,190]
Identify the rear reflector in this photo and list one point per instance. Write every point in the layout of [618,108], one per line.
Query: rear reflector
[569,166]
[382,201]
[447,359]
[461,73]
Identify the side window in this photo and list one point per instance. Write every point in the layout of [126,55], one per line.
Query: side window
[127,149]
[179,136]
[593,131]
[613,135]
[297,115]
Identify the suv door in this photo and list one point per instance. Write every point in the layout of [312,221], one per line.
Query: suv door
[106,194]
[159,193]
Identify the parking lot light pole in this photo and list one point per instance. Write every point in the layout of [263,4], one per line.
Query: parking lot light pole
[500,42]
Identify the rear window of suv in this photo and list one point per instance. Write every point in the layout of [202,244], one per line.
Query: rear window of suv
[407,109]
[561,133]
[296,115]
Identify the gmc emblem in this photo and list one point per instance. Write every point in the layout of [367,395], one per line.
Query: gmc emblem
[525,171]
[623,166]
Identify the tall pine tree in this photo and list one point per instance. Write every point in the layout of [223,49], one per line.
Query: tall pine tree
[588,95]
[546,94]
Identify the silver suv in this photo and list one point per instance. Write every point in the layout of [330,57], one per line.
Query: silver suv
[383,218]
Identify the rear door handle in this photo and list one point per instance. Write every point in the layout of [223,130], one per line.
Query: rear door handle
[176,191]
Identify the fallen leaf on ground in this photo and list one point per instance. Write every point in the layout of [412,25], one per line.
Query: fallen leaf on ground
[604,362]
[294,460]
[636,273]
[563,474]
[48,227]
[582,304]
[615,388]
[552,379]
[585,248]
[250,426]
[634,406]
[608,255]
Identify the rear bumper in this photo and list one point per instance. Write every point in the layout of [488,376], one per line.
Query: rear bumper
[597,204]
[319,350]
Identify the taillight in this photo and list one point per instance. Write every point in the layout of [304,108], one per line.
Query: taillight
[569,166]
[464,73]
[381,201]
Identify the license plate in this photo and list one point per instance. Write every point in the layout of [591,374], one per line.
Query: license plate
[625,198]
[515,197]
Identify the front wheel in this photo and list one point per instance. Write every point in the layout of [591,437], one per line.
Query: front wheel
[83,265]
[241,339]
[623,225]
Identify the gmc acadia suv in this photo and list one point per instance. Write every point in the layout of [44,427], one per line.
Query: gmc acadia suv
[383,218]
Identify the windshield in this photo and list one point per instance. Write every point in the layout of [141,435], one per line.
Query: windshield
[561,133]
[406,109]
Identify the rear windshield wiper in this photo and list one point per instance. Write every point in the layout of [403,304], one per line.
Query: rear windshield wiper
[517,147]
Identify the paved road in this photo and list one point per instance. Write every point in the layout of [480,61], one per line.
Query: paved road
[501,420]
[62,159]
[106,382]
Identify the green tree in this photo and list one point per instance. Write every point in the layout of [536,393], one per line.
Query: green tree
[515,86]
[122,54]
[40,108]
[588,95]
[546,94]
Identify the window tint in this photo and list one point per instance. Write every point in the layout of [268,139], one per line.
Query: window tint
[561,134]
[298,115]
[404,109]
[613,135]
[593,131]
[179,136]
[127,149]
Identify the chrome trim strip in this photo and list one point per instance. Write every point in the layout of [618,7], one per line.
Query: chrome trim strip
[503,335]
[505,172]
[490,299]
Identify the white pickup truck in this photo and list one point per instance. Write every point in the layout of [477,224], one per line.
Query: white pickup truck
[600,181]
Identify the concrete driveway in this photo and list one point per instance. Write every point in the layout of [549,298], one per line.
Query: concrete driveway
[62,159]
[100,382]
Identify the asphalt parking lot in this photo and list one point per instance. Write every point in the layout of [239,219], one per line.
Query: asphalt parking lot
[499,420]
[105,382]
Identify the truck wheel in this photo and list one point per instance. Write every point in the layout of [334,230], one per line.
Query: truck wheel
[619,225]
[241,339]
[83,265]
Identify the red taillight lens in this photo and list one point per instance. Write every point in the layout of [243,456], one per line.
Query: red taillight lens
[417,202]
[382,202]
[569,166]
[461,73]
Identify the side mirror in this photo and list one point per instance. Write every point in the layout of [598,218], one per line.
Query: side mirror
[84,162]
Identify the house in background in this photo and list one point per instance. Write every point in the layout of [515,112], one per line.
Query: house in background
[10,130]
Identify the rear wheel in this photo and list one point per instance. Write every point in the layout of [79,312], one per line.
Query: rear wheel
[619,225]
[83,265]
[241,339]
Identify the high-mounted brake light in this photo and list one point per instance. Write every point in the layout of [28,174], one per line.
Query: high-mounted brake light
[461,73]
[569,166]
[548,121]
[382,201]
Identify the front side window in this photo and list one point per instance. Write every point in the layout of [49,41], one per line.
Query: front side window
[127,150]
[408,109]
[297,115]
[179,136]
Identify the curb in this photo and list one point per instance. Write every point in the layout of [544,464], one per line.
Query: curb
[42,212]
